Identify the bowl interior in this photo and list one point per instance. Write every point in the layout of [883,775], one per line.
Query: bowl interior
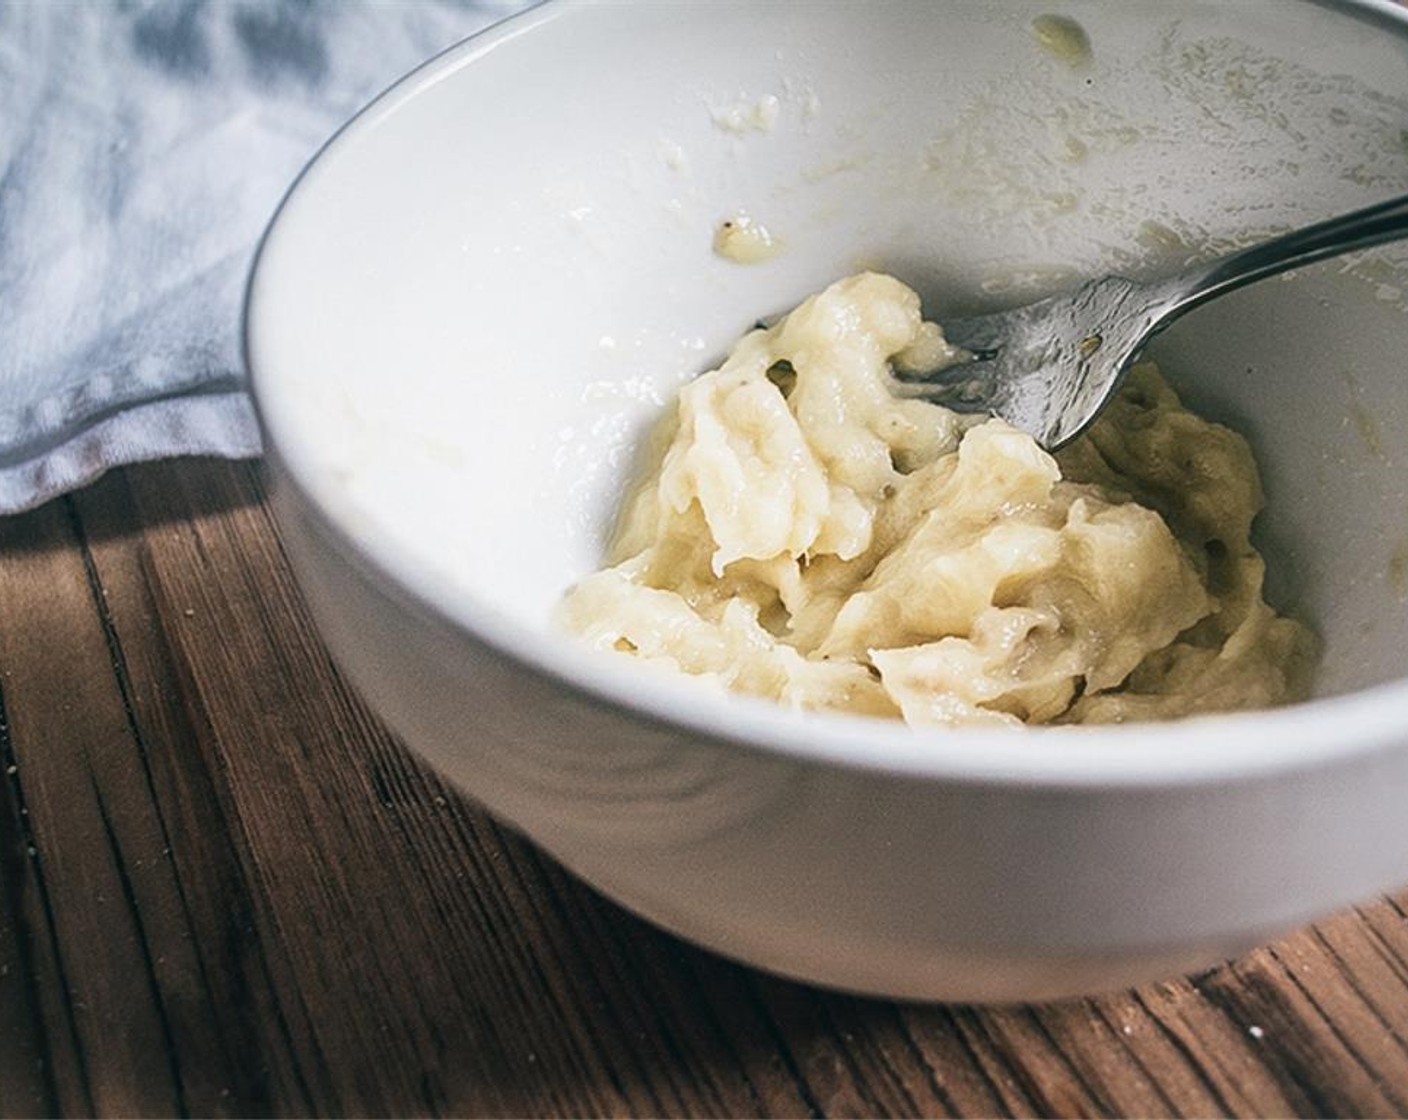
[484,290]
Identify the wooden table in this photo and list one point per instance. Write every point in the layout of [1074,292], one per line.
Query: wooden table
[224,889]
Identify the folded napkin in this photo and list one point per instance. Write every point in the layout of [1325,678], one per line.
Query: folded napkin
[143,148]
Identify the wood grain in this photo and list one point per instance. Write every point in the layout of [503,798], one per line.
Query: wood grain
[226,890]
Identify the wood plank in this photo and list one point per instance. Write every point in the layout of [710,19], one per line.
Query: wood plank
[1334,1063]
[250,1065]
[76,770]
[853,1054]
[966,1085]
[297,917]
[26,1087]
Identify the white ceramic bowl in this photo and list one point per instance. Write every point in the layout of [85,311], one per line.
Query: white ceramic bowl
[479,294]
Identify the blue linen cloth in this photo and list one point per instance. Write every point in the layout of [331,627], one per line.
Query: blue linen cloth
[143,148]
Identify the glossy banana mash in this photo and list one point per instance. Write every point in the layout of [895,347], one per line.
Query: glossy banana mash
[808,535]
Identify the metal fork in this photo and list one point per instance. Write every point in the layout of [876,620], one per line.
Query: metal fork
[1049,367]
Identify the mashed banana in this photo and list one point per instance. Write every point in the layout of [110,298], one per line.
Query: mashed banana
[808,536]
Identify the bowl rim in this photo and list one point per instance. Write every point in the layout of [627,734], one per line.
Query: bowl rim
[1246,746]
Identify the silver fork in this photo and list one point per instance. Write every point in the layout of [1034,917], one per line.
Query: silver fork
[1050,367]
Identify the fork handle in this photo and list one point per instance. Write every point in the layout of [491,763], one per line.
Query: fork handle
[1359,229]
